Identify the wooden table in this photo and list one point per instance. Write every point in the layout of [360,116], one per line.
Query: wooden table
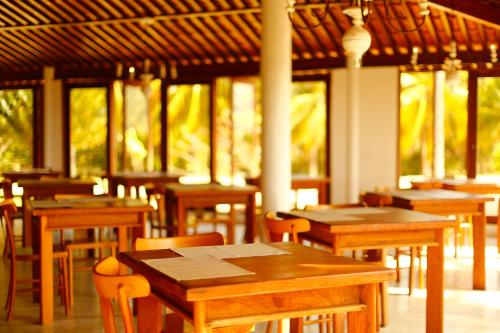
[81,213]
[36,173]
[47,189]
[129,179]
[445,202]
[322,184]
[305,282]
[179,197]
[387,227]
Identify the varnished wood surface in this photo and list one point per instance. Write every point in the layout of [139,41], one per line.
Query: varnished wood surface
[463,185]
[322,184]
[89,213]
[180,197]
[48,188]
[15,176]
[307,281]
[393,228]
[129,179]
[445,202]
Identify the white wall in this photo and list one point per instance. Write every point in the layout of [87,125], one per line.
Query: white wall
[378,129]
[53,121]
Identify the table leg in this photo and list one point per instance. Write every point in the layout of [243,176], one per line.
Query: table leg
[435,285]
[169,209]
[181,218]
[27,224]
[149,314]
[364,321]
[122,246]
[479,235]
[46,274]
[199,315]
[322,194]
[250,227]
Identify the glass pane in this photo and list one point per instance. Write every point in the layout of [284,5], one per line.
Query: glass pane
[455,99]
[88,120]
[488,128]
[309,128]
[188,131]
[141,128]
[416,128]
[239,124]
[16,129]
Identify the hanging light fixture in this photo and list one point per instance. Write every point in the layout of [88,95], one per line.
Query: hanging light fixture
[366,8]
[452,65]
[356,40]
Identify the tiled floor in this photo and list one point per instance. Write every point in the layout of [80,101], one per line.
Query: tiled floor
[465,310]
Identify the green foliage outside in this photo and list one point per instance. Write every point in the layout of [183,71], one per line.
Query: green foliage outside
[16,129]
[188,129]
[88,121]
[416,130]
[488,126]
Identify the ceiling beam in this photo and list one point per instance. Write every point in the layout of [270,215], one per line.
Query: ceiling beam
[484,12]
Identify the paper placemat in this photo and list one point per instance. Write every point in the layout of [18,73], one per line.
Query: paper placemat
[205,267]
[231,251]
[325,216]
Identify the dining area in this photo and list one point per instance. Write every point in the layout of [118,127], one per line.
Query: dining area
[267,166]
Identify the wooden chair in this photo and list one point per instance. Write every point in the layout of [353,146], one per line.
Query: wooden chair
[110,285]
[7,207]
[6,187]
[276,228]
[213,238]
[212,216]
[90,243]
[157,217]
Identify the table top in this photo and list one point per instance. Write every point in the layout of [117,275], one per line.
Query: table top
[296,180]
[200,189]
[304,268]
[436,195]
[367,219]
[83,205]
[153,175]
[55,182]
[30,174]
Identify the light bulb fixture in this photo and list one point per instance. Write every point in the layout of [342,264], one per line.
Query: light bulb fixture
[493,53]
[364,6]
[356,40]
[414,56]
[451,66]
[131,72]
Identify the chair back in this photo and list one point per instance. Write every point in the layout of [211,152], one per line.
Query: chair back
[7,208]
[111,285]
[213,238]
[375,199]
[277,227]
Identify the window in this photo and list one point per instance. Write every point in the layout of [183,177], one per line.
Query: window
[88,131]
[433,126]
[188,139]
[137,126]
[16,129]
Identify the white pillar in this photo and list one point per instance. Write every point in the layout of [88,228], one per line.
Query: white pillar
[439,109]
[276,74]
[53,123]
[352,125]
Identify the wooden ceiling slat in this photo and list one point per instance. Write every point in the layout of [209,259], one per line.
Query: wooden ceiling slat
[397,14]
[173,52]
[87,44]
[27,8]
[6,20]
[135,7]
[113,11]
[76,12]
[381,31]
[179,43]
[44,10]
[136,35]
[151,9]
[318,44]
[119,4]
[124,52]
[91,10]
[20,12]
[439,27]
[61,12]
[32,39]
[13,16]
[59,44]
[28,48]
[21,50]
[101,44]
[237,30]
[165,7]
[333,30]
[14,58]
[302,44]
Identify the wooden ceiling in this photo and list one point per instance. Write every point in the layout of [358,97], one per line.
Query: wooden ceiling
[90,37]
